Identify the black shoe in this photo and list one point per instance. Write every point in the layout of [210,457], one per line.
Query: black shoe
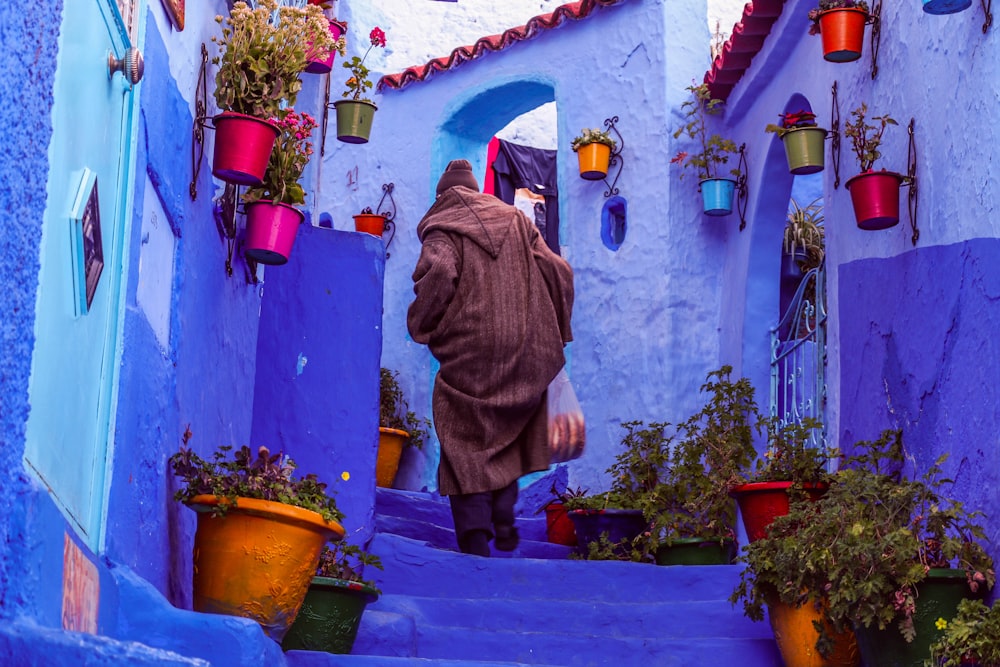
[506,538]
[475,542]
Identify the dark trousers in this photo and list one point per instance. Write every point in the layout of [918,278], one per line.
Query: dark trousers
[480,512]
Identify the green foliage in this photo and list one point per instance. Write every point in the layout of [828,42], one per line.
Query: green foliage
[265,476]
[342,560]
[594,136]
[631,551]
[288,159]
[358,83]
[804,229]
[394,411]
[866,138]
[715,149]
[262,53]
[865,546]
[972,637]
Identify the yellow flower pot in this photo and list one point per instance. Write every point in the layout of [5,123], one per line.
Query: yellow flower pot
[390,450]
[594,160]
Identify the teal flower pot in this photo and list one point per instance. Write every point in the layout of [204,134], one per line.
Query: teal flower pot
[717,195]
[330,616]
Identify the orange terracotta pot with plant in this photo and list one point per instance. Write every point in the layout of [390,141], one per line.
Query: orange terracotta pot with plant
[399,428]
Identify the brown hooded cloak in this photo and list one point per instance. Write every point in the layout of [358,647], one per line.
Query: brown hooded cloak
[493,304]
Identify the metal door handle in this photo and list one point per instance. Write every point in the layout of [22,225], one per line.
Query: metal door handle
[130,65]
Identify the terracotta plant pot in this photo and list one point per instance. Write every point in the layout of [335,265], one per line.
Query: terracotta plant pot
[369,223]
[760,502]
[271,230]
[717,196]
[390,450]
[330,616]
[875,195]
[593,160]
[258,560]
[804,149]
[843,33]
[796,635]
[324,65]
[242,148]
[696,551]
[354,120]
[559,527]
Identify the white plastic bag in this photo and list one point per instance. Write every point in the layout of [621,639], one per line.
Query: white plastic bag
[567,431]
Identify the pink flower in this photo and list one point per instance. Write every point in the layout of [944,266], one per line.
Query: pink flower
[377,37]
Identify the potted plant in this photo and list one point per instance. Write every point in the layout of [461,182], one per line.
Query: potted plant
[593,148]
[880,553]
[842,26]
[336,600]
[559,527]
[262,53]
[369,223]
[874,194]
[356,112]
[970,638]
[399,426]
[803,141]
[249,505]
[717,192]
[323,64]
[272,217]
[804,237]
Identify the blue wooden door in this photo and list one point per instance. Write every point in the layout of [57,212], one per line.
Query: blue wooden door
[79,308]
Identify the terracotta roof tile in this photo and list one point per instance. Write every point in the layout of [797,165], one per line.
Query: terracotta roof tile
[745,42]
[572,11]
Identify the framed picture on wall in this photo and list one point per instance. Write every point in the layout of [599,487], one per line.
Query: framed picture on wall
[86,242]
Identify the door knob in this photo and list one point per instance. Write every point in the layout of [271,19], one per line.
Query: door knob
[130,65]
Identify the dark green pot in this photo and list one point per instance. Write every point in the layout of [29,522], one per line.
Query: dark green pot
[937,597]
[329,617]
[804,149]
[696,551]
[354,120]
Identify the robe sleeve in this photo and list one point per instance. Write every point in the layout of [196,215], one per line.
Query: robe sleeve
[435,279]
[558,278]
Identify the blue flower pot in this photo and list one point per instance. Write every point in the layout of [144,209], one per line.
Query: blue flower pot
[618,524]
[717,195]
[946,6]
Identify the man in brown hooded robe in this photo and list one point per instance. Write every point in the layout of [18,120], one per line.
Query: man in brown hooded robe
[493,304]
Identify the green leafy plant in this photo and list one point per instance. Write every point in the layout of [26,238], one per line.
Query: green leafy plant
[346,561]
[972,637]
[289,157]
[866,138]
[861,551]
[262,52]
[825,5]
[715,149]
[804,229]
[792,456]
[394,411]
[792,121]
[594,136]
[359,83]
[263,476]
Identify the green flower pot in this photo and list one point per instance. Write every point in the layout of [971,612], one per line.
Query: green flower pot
[354,120]
[330,616]
[696,551]
[804,149]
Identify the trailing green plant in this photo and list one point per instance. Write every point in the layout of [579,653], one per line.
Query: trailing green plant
[262,52]
[594,136]
[289,157]
[791,121]
[972,637]
[866,138]
[861,551]
[394,410]
[825,5]
[346,561]
[804,229]
[714,148]
[263,476]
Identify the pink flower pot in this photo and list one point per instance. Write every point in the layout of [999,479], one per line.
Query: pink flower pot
[242,148]
[875,195]
[324,65]
[271,230]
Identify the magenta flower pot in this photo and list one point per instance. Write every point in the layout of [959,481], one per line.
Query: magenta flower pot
[875,195]
[242,148]
[271,230]
[324,65]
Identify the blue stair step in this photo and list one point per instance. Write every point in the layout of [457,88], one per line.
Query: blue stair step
[313,659]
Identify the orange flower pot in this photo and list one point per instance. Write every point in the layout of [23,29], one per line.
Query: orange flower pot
[258,560]
[843,32]
[796,636]
[369,223]
[390,450]
[594,160]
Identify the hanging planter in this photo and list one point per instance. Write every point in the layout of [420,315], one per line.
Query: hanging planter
[875,196]
[242,148]
[804,149]
[795,634]
[946,6]
[843,33]
[696,551]
[370,223]
[593,148]
[271,230]
[390,450]
[354,120]
[717,196]
[330,616]
[324,65]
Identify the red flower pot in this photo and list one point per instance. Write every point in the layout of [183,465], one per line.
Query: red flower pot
[271,230]
[761,502]
[843,32]
[558,526]
[242,148]
[324,65]
[369,223]
[875,195]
